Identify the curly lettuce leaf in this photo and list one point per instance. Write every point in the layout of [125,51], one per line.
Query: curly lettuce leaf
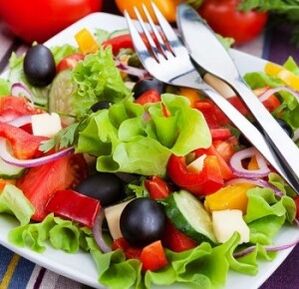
[4,87]
[96,79]
[266,215]
[131,138]
[61,234]
[13,201]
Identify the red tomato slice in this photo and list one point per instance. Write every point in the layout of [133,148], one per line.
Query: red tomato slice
[225,148]
[153,257]
[69,62]
[119,42]
[158,189]
[220,133]
[40,183]
[150,96]
[130,252]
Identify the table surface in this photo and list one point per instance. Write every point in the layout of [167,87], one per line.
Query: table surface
[18,273]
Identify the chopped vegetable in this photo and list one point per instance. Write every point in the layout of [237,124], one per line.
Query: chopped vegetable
[86,41]
[158,188]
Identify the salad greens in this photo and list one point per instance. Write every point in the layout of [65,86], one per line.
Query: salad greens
[4,87]
[130,138]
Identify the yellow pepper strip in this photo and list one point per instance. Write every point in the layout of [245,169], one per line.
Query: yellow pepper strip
[288,77]
[253,165]
[86,41]
[191,94]
[230,197]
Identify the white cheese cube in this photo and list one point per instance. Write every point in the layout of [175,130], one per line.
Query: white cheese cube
[226,222]
[46,124]
[112,215]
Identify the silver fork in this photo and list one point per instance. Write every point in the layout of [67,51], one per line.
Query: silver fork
[167,59]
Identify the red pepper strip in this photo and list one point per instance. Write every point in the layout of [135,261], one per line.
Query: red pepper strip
[153,257]
[74,206]
[225,169]
[119,42]
[158,189]
[130,252]
[220,133]
[176,240]
[149,96]
[24,144]
[205,182]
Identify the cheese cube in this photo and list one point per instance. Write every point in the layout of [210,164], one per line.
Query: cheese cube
[226,222]
[46,124]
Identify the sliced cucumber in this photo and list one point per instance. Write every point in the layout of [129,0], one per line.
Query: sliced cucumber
[8,171]
[188,215]
[60,97]
[118,33]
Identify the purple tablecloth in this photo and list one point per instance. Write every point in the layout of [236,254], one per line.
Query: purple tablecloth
[18,273]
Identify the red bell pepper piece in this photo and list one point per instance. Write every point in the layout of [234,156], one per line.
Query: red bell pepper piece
[153,257]
[176,240]
[205,182]
[24,144]
[220,133]
[119,42]
[149,96]
[130,252]
[69,62]
[74,206]
[158,189]
[225,169]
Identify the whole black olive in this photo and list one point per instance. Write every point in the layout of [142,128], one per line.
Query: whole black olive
[142,222]
[147,84]
[286,127]
[39,65]
[103,104]
[105,187]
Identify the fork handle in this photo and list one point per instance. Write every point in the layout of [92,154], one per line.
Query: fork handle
[250,131]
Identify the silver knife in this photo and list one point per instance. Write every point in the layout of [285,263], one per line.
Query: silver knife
[211,58]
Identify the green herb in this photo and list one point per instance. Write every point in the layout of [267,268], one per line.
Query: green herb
[63,139]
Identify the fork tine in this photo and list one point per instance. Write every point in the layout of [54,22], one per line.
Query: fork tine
[156,32]
[139,44]
[166,28]
[148,36]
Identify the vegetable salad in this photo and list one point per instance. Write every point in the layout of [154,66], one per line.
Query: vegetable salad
[153,181]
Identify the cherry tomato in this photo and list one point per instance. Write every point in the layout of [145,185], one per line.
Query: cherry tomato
[39,20]
[224,18]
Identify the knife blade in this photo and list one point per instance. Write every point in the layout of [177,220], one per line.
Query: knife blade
[212,59]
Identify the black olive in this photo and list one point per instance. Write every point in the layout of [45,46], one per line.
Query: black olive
[147,84]
[105,187]
[286,127]
[142,222]
[103,104]
[39,65]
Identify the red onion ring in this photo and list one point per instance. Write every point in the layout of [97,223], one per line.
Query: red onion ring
[20,89]
[21,121]
[264,96]
[98,232]
[236,164]
[10,159]
[276,248]
[257,182]
[138,72]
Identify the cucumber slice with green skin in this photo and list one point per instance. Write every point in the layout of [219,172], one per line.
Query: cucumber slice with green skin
[189,216]
[8,171]
[118,33]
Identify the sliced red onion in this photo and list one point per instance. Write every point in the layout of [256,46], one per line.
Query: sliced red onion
[296,135]
[98,232]
[240,171]
[264,96]
[138,72]
[20,89]
[10,159]
[275,248]
[257,182]
[21,121]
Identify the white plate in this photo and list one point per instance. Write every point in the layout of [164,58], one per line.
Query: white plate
[80,266]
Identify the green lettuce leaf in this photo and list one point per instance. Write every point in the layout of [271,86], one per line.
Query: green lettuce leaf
[60,52]
[131,138]
[13,201]
[4,87]
[97,79]
[266,215]
[61,234]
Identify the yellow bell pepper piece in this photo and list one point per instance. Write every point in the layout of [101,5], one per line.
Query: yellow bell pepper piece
[230,197]
[191,94]
[86,41]
[253,165]
[288,77]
